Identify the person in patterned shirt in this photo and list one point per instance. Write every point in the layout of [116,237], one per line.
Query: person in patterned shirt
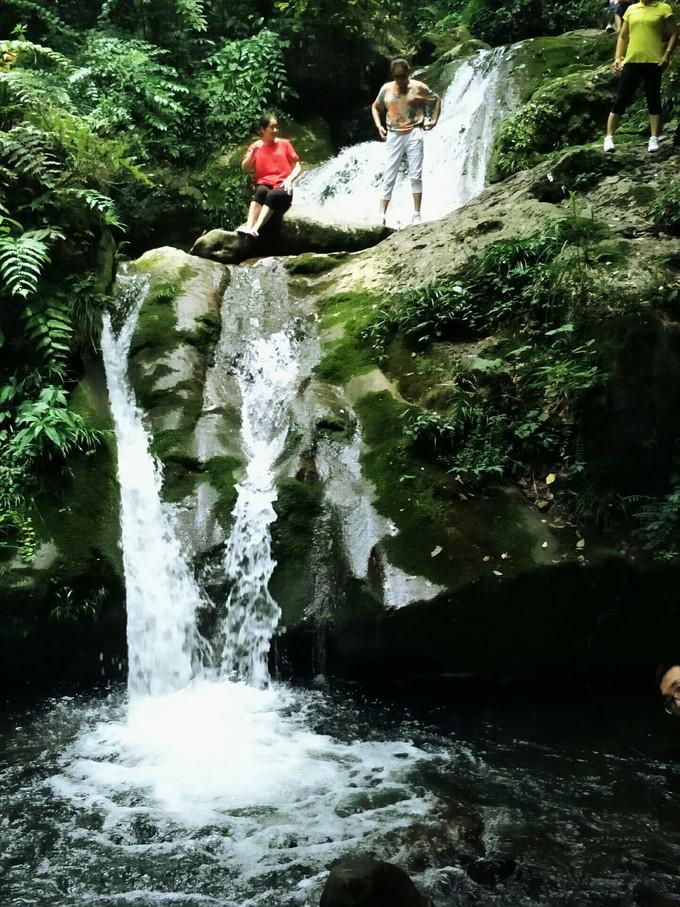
[409,107]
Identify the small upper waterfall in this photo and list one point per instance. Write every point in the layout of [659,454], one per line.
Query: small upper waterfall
[162,596]
[457,152]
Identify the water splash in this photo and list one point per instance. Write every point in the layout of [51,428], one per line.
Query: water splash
[267,383]
[164,647]
[457,152]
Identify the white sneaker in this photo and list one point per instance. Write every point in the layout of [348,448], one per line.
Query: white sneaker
[653,144]
[416,218]
[608,143]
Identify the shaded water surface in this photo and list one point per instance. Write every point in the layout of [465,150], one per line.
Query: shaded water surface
[226,795]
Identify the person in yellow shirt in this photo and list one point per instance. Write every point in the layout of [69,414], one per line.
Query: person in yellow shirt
[644,47]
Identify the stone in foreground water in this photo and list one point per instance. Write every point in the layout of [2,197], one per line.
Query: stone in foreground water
[365,882]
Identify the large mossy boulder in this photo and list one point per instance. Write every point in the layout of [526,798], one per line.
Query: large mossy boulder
[172,357]
[294,235]
[569,110]
[538,61]
[563,91]
[445,47]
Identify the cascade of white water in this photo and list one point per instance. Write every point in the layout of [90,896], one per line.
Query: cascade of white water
[164,647]
[267,379]
[347,187]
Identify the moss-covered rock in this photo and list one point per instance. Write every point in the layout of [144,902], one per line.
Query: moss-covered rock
[538,61]
[294,235]
[171,355]
[526,590]
[445,46]
[298,507]
[568,110]
[312,263]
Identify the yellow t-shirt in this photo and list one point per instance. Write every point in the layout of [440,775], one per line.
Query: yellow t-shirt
[647,31]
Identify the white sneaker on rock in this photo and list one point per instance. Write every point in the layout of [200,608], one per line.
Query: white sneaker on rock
[416,218]
[653,144]
[608,143]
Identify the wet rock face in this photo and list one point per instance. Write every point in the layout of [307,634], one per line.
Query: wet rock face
[171,360]
[365,882]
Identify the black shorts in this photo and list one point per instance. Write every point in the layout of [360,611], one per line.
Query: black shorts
[631,76]
[276,199]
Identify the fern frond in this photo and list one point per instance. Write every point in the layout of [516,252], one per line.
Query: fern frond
[49,327]
[27,51]
[96,201]
[26,88]
[23,258]
[27,150]
[82,78]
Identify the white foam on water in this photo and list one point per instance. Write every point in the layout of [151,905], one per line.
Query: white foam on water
[242,768]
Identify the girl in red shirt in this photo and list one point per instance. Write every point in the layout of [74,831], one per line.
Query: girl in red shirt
[275,167]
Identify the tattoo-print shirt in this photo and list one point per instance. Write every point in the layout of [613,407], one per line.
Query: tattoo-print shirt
[405,109]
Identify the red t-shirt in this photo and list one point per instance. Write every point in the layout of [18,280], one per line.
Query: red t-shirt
[274,162]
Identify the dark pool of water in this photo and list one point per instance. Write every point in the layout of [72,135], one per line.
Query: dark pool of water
[571,798]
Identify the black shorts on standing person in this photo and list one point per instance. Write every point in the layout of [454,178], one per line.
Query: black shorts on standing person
[632,76]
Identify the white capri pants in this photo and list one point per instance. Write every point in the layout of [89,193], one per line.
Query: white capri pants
[400,144]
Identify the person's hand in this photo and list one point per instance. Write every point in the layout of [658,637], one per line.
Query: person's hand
[429,124]
[617,65]
[382,132]
[258,144]
[288,185]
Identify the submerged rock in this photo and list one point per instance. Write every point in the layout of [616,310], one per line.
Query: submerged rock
[366,882]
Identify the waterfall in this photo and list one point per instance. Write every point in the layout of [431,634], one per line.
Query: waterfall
[457,152]
[267,383]
[164,647]
[258,347]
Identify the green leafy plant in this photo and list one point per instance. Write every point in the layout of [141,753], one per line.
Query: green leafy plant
[659,520]
[506,21]
[23,258]
[28,152]
[246,78]
[69,607]
[665,209]
[46,426]
[49,330]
